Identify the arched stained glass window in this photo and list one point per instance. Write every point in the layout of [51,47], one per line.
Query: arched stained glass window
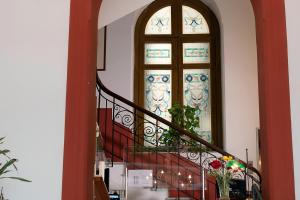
[193,21]
[160,22]
[177,59]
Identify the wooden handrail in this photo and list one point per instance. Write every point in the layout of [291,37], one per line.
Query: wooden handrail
[100,190]
[174,126]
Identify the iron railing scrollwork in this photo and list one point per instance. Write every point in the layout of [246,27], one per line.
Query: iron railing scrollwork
[134,135]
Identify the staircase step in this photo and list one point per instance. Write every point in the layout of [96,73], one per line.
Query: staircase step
[169,168]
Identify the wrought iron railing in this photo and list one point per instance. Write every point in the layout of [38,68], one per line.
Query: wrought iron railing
[134,135]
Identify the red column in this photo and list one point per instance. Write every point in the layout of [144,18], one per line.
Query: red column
[80,117]
[274,98]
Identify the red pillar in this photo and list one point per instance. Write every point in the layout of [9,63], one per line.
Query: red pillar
[80,119]
[274,98]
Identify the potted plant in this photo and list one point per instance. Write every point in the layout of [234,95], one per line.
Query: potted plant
[7,165]
[224,169]
[185,117]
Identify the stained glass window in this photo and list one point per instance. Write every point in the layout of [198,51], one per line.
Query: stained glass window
[176,50]
[158,53]
[193,22]
[196,53]
[160,22]
[158,92]
[196,93]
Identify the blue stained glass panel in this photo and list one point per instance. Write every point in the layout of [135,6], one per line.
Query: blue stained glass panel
[158,95]
[196,88]
[158,53]
[160,22]
[193,22]
[196,53]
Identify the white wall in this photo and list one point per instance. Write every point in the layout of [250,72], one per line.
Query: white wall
[239,69]
[293,32]
[112,10]
[33,61]
[240,77]
[119,61]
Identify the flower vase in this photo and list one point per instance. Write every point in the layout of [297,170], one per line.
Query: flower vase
[223,188]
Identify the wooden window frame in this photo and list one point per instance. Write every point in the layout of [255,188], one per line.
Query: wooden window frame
[177,39]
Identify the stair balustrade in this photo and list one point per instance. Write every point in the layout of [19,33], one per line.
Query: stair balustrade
[134,135]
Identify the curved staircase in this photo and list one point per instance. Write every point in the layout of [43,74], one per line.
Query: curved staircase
[132,135]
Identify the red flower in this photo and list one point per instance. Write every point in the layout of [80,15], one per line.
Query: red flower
[216,164]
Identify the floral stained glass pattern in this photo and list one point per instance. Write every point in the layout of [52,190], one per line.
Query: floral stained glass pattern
[158,53]
[193,21]
[197,95]
[196,53]
[158,85]
[160,22]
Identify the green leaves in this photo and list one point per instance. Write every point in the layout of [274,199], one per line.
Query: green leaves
[2,140]
[16,178]
[4,152]
[6,166]
[185,117]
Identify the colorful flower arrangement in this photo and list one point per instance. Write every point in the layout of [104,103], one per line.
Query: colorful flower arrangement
[224,169]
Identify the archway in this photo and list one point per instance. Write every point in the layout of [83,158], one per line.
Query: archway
[276,139]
